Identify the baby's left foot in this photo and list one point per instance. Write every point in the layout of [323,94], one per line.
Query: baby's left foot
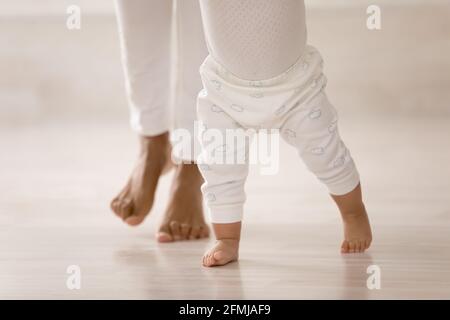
[357,232]
[223,252]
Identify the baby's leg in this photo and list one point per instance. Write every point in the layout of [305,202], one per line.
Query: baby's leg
[223,164]
[312,129]
[357,232]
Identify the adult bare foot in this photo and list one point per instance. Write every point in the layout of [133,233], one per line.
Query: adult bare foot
[135,200]
[184,219]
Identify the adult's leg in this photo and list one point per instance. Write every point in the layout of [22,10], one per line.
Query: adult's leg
[144,30]
[184,215]
[191,51]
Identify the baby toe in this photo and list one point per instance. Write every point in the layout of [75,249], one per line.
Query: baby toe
[345,247]
[352,246]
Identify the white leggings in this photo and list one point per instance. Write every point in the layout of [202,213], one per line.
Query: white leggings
[145,29]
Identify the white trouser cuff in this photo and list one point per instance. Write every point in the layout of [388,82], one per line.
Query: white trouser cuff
[226,214]
[148,125]
[345,185]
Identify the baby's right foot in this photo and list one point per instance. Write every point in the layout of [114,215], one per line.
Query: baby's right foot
[223,252]
[357,232]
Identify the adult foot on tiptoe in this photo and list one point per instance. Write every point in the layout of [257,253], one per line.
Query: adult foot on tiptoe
[134,202]
[183,219]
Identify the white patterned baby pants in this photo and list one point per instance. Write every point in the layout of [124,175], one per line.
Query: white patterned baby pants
[293,102]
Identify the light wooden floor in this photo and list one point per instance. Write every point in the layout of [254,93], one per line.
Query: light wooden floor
[58,174]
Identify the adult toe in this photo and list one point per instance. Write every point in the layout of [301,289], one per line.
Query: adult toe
[164,235]
[185,230]
[175,229]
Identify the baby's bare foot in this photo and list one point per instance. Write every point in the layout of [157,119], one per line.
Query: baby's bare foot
[357,232]
[223,252]
[184,219]
[135,200]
